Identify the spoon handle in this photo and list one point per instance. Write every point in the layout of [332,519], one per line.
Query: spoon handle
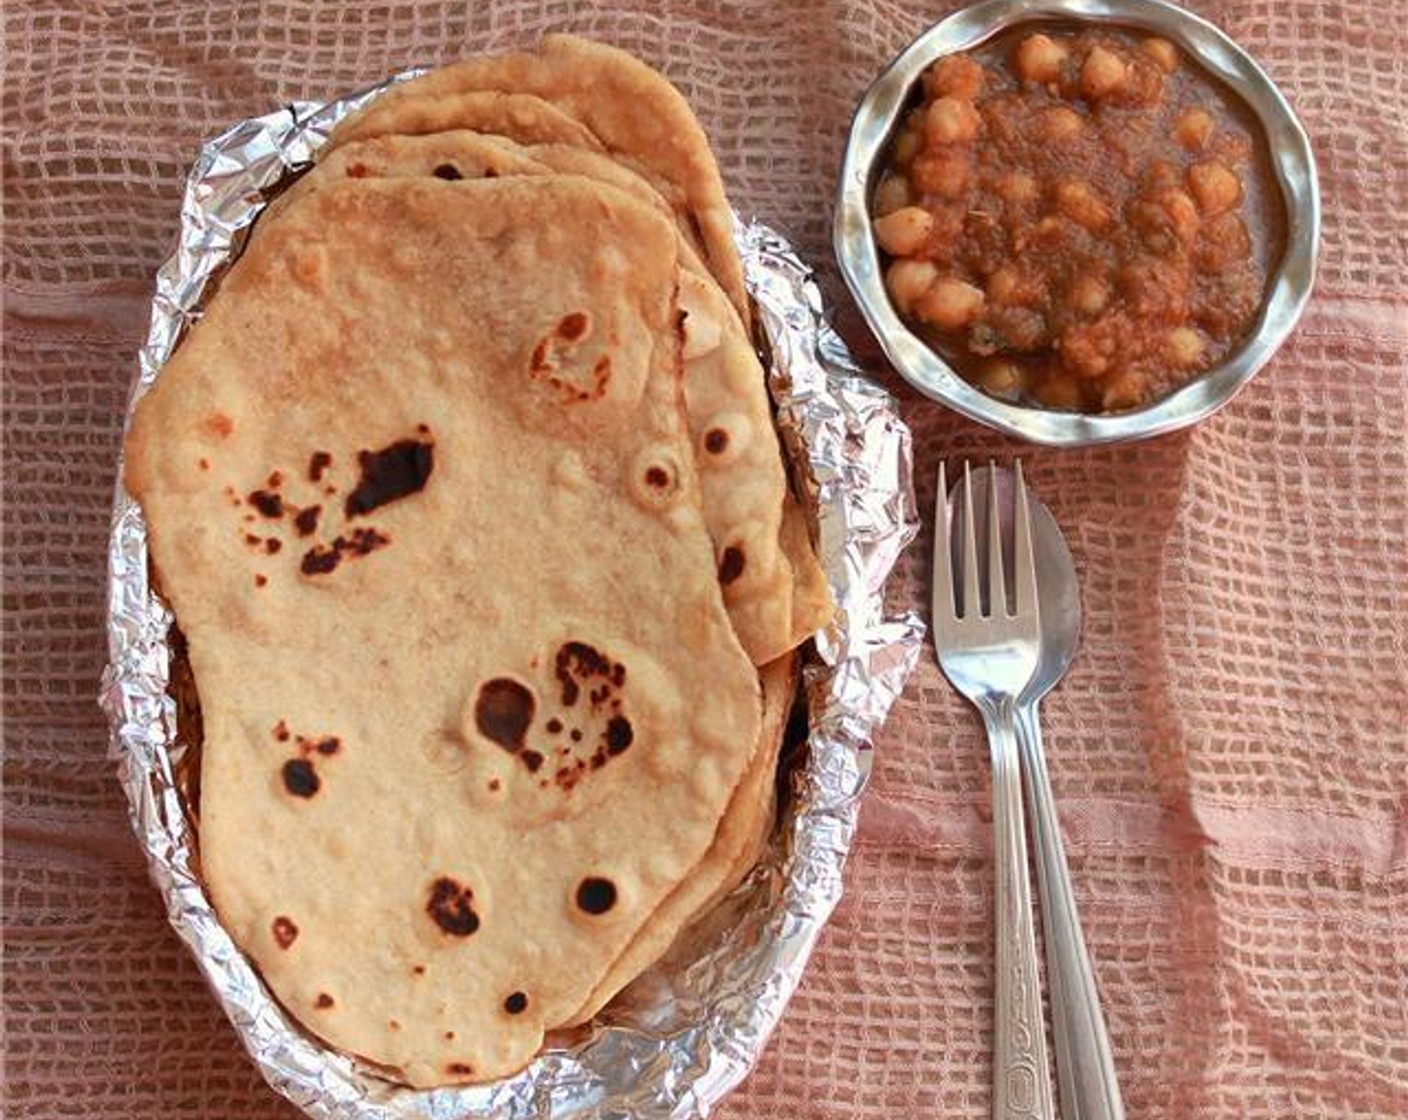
[1021,1079]
[1085,1065]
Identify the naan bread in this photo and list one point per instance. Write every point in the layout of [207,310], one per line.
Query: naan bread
[523,116]
[443,155]
[774,588]
[631,108]
[420,494]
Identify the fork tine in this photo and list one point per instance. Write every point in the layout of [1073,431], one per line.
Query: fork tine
[972,605]
[997,582]
[1023,562]
[943,555]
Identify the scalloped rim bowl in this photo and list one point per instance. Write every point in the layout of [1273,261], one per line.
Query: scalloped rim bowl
[1289,282]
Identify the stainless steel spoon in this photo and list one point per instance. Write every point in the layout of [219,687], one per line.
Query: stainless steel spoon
[1085,1067]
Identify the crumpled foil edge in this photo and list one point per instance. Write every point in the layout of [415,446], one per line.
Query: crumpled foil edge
[689,1030]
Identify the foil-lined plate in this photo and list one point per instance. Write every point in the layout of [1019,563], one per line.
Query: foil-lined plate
[688,1030]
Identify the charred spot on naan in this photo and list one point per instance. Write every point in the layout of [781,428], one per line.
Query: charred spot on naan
[300,778]
[559,363]
[267,545]
[657,481]
[324,745]
[589,726]
[322,559]
[219,425]
[595,895]
[574,327]
[726,436]
[732,562]
[268,503]
[388,474]
[450,906]
[300,775]
[392,473]
[578,663]
[285,931]
[504,712]
[306,520]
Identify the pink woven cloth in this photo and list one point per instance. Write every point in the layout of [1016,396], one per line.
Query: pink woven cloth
[1230,751]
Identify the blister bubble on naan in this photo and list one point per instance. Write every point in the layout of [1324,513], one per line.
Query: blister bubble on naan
[657,478]
[566,363]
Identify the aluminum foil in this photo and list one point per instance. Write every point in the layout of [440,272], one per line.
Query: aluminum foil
[684,1034]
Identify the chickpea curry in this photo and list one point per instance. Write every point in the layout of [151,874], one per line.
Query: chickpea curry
[1077,219]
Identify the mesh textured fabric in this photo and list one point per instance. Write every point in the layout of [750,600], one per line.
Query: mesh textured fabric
[1230,751]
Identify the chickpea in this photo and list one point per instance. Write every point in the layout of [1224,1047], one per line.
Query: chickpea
[1193,129]
[1150,286]
[949,303]
[1231,149]
[1000,378]
[1183,347]
[1161,174]
[944,173]
[1039,59]
[1048,233]
[1060,124]
[1058,390]
[1144,85]
[1164,54]
[907,280]
[1224,240]
[892,193]
[907,145]
[1078,201]
[951,120]
[1232,232]
[1215,186]
[1125,390]
[1150,221]
[1021,328]
[1003,285]
[954,76]
[903,233]
[1102,73]
[1087,348]
[1089,295]
[1017,188]
[1182,214]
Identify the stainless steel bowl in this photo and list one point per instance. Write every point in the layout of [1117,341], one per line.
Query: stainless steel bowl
[1289,284]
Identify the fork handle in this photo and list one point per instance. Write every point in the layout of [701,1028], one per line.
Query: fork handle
[1021,1079]
[1085,1064]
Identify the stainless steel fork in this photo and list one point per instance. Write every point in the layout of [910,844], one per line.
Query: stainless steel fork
[990,657]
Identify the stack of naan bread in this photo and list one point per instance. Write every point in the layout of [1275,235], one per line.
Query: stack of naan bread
[466,495]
